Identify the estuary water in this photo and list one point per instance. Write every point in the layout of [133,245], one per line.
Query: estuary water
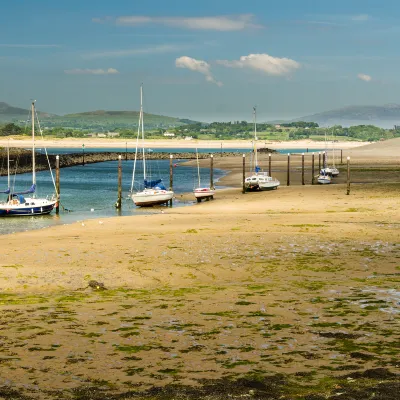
[91,191]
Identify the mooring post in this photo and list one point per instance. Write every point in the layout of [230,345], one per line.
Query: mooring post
[288,170]
[118,205]
[302,169]
[324,159]
[212,172]
[83,154]
[348,175]
[57,184]
[269,164]
[319,161]
[126,151]
[171,176]
[341,156]
[312,169]
[221,149]
[244,174]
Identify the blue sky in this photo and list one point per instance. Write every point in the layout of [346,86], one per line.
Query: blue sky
[205,60]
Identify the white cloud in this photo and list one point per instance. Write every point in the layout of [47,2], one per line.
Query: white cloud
[197,65]
[214,23]
[265,63]
[167,48]
[364,77]
[86,71]
[360,17]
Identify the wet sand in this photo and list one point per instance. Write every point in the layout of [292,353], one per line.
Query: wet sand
[291,294]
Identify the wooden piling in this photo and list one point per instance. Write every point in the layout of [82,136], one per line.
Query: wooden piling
[341,156]
[171,176]
[348,175]
[58,184]
[319,161]
[244,174]
[288,169]
[312,169]
[302,169]
[83,155]
[269,164]
[324,159]
[212,172]
[118,204]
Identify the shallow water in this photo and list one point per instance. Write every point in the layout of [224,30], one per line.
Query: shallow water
[91,191]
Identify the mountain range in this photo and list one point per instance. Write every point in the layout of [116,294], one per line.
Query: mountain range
[385,116]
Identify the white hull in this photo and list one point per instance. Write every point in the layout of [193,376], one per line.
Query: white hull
[152,197]
[31,206]
[261,181]
[202,193]
[324,180]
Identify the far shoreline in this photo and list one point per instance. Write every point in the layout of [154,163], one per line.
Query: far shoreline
[174,143]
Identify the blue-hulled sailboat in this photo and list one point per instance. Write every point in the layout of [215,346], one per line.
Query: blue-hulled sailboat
[19,205]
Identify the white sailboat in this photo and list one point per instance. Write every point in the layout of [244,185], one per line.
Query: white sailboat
[259,180]
[202,192]
[19,205]
[154,191]
[330,171]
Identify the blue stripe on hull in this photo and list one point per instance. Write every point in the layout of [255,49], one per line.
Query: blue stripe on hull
[26,212]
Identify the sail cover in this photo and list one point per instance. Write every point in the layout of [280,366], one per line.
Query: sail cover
[6,191]
[31,190]
[156,184]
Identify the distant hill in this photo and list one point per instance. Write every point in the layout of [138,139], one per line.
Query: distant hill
[385,116]
[9,113]
[95,120]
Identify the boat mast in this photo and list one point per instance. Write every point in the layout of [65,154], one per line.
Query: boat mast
[141,114]
[33,144]
[198,168]
[8,165]
[255,138]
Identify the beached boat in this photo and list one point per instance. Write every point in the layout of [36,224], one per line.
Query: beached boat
[152,192]
[331,171]
[17,203]
[324,179]
[259,180]
[202,192]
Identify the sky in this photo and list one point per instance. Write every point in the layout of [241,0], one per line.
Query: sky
[204,60]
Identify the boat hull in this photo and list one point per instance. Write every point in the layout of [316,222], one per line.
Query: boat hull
[269,186]
[324,180]
[203,193]
[152,198]
[42,207]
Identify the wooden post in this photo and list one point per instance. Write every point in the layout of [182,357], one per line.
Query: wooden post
[126,151]
[212,172]
[269,164]
[221,149]
[312,169]
[302,169]
[341,156]
[244,174]
[319,161]
[83,155]
[58,184]
[324,159]
[118,204]
[348,175]
[171,176]
[288,169]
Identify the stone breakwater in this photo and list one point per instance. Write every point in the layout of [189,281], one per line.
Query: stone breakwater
[21,160]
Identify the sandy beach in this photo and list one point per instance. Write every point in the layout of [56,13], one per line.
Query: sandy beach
[171,143]
[289,294]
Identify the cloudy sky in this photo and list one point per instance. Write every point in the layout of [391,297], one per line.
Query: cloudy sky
[205,60]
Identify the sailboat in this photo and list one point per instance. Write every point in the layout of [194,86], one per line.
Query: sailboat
[259,180]
[154,191]
[330,171]
[202,192]
[19,205]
